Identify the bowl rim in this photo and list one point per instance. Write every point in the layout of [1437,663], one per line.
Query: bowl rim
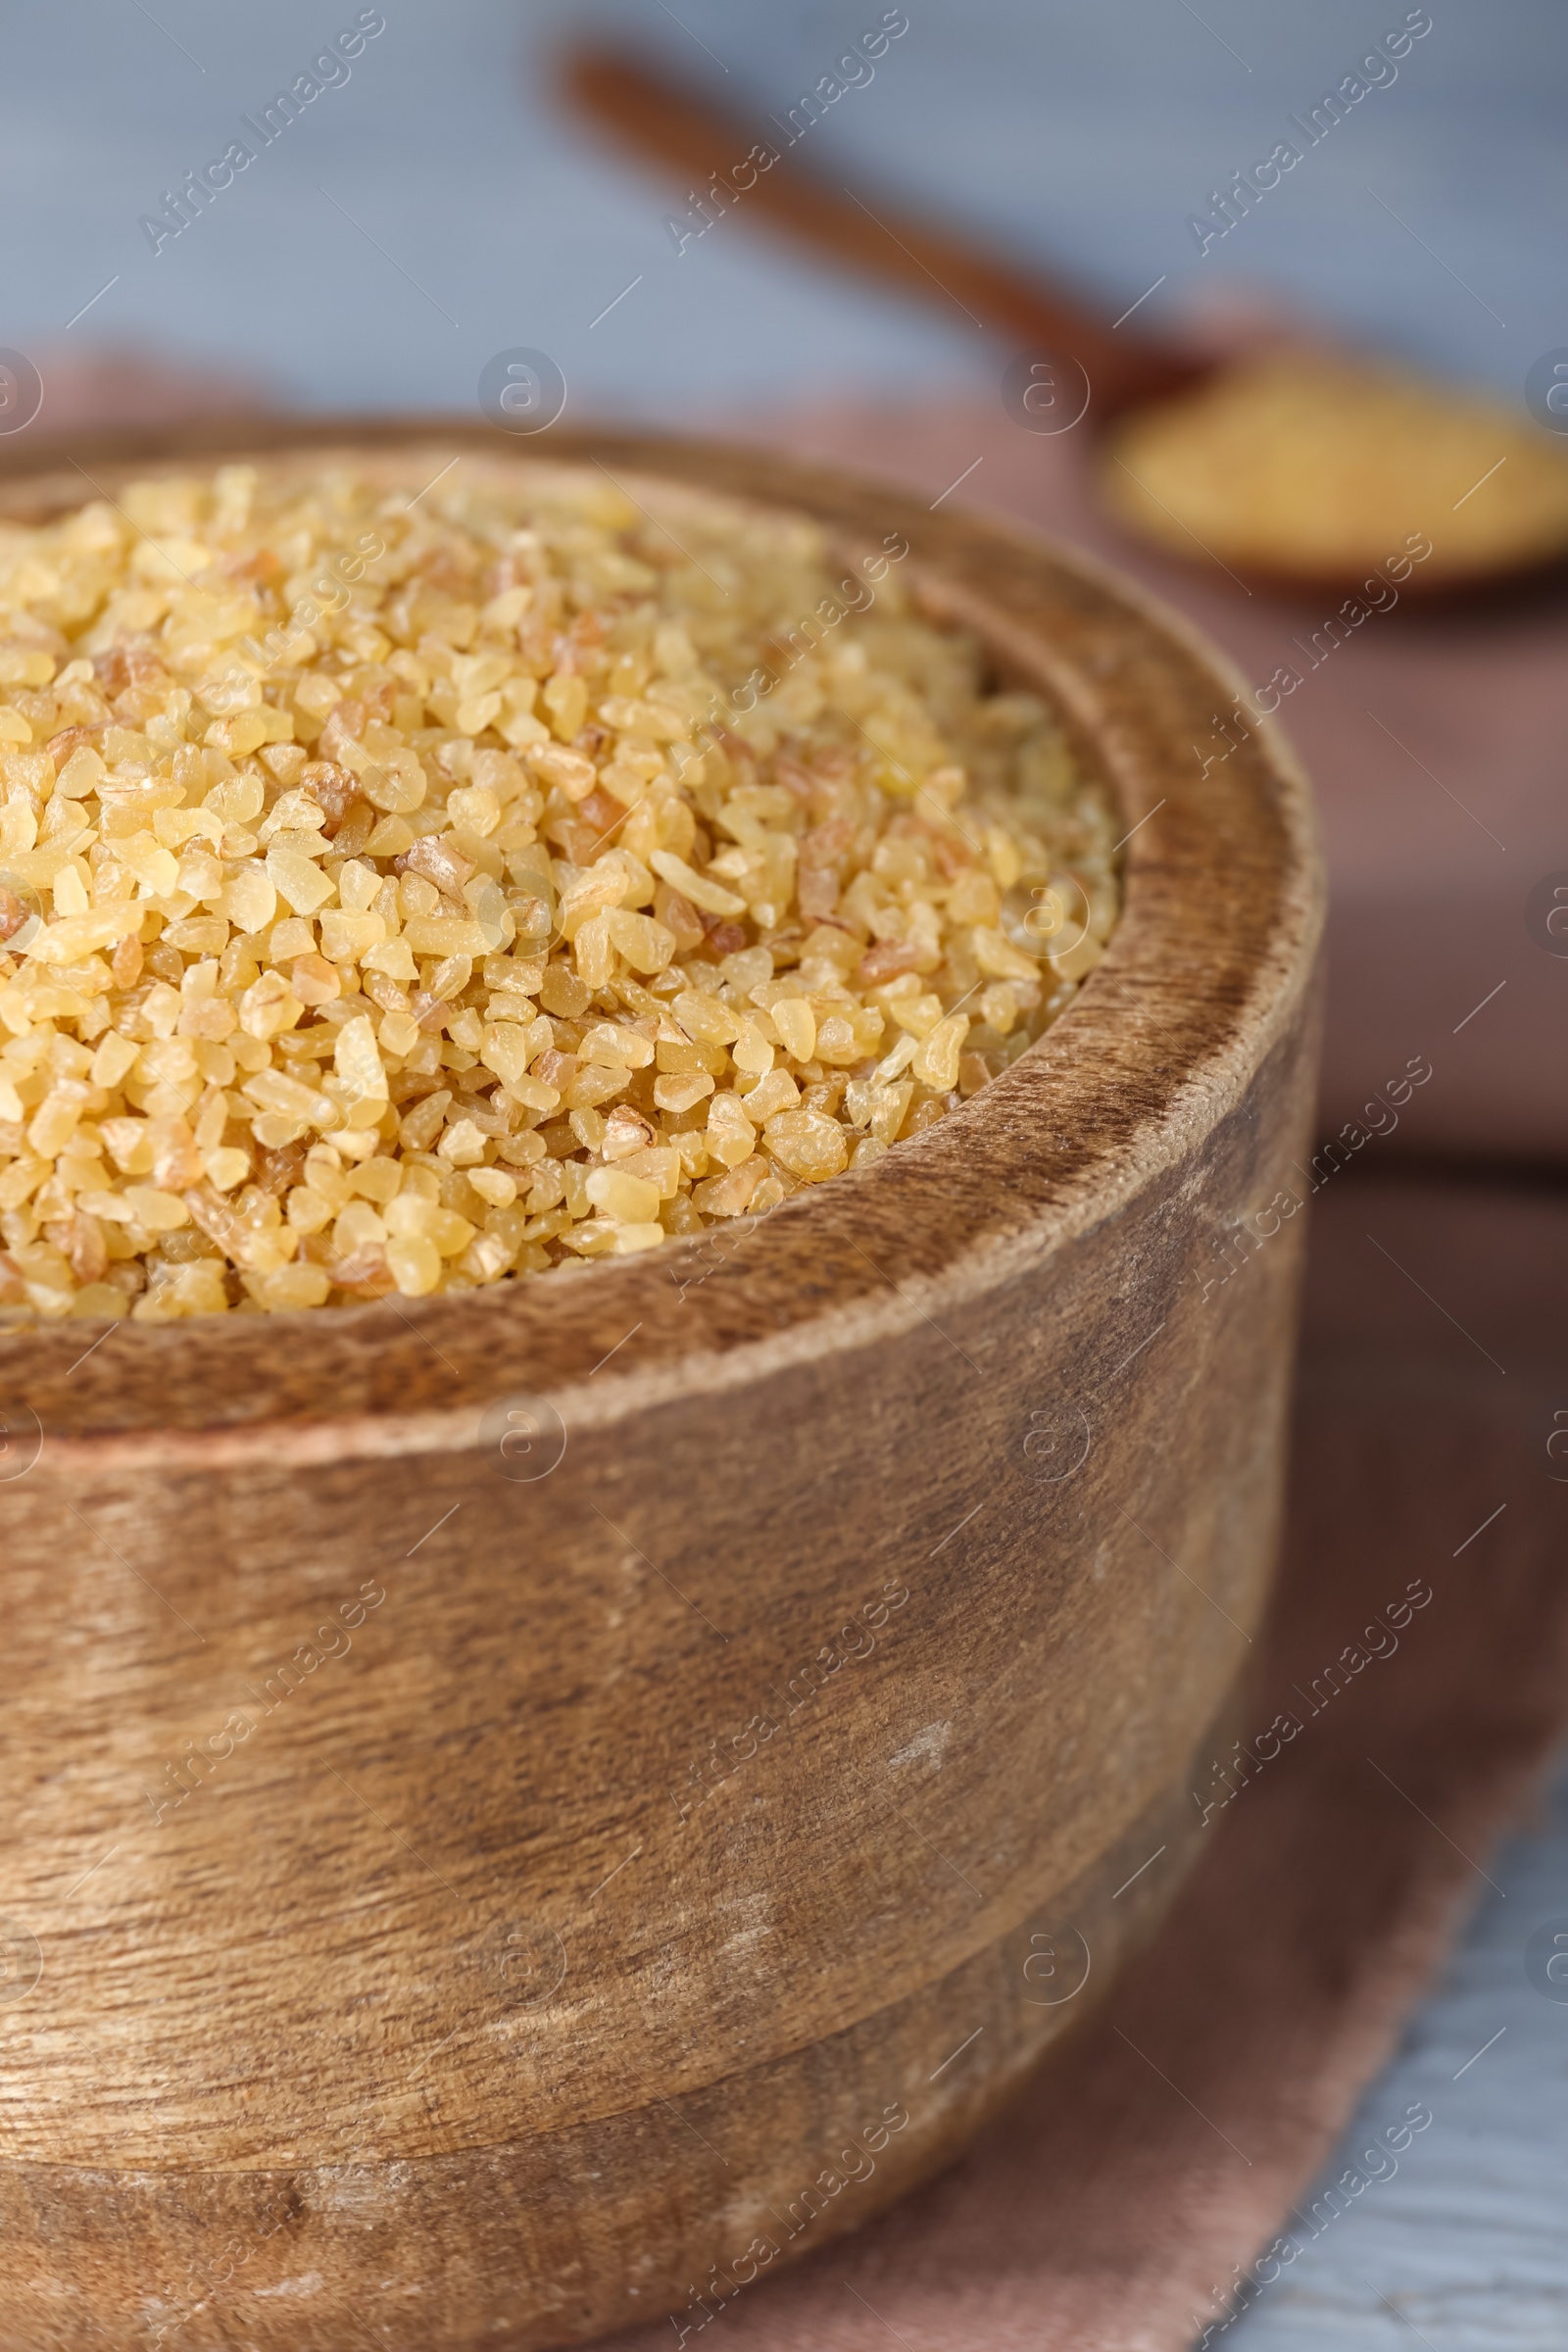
[1218,939]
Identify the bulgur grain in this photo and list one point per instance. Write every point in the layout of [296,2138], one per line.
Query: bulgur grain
[1305,462]
[405,897]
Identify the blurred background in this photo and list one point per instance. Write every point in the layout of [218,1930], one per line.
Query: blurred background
[437,202]
[1080,137]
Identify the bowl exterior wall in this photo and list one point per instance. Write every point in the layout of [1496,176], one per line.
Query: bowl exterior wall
[502,1888]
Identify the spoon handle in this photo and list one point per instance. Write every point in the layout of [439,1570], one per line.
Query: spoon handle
[666,122]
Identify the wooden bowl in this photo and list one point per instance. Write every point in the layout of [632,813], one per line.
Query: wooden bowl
[530,1810]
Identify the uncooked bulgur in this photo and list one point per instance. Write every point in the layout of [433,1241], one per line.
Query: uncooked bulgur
[404,893]
[1309,463]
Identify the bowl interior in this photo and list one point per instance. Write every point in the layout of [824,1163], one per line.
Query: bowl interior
[1221,895]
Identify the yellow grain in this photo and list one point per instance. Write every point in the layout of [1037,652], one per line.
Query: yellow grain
[474,924]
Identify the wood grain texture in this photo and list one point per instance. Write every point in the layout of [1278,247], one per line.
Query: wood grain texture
[503,1973]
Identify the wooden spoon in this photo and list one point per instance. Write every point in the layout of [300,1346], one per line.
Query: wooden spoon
[669,124]
[1262,447]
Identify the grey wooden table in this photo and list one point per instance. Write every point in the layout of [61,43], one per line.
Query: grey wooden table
[436,206]
[1465,2249]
